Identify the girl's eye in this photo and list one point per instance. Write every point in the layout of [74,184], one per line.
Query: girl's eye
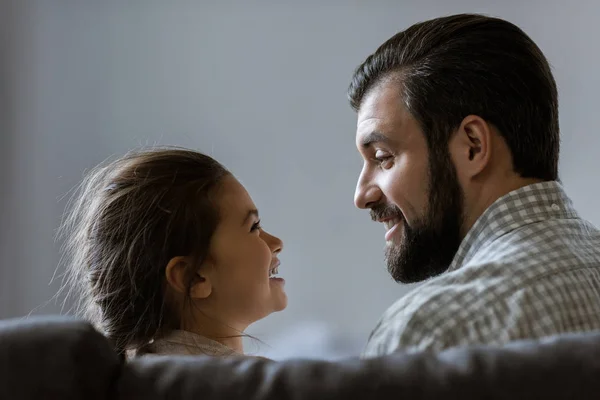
[255,226]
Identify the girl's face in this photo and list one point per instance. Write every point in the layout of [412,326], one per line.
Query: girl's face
[241,262]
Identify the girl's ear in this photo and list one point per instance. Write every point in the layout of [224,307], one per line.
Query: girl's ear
[177,273]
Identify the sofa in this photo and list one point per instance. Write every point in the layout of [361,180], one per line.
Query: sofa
[65,358]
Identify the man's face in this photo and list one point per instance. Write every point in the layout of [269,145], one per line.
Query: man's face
[413,191]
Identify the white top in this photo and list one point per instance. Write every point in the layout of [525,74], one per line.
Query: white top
[187,343]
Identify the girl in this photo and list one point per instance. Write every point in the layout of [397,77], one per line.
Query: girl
[167,253]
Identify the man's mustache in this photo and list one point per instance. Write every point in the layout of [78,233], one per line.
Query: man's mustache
[385,211]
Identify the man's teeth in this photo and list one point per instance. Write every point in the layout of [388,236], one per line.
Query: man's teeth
[389,224]
[274,271]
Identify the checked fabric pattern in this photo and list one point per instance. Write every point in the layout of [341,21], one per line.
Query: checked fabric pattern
[528,268]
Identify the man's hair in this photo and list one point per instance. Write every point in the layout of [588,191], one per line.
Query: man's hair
[451,67]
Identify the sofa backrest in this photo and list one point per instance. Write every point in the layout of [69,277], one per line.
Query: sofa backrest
[65,358]
[55,358]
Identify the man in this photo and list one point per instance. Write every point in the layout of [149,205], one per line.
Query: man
[458,128]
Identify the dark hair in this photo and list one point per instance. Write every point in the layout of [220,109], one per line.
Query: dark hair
[129,218]
[451,67]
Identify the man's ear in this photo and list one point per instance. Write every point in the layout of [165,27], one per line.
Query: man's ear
[182,275]
[471,146]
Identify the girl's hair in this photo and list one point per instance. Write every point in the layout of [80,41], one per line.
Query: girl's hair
[127,220]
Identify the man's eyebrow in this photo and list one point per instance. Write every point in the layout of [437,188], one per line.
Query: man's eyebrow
[251,213]
[374,137]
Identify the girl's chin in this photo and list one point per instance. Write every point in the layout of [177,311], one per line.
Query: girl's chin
[280,302]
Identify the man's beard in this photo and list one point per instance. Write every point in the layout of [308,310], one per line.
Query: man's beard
[428,246]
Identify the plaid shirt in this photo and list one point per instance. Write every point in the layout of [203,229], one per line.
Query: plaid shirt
[528,268]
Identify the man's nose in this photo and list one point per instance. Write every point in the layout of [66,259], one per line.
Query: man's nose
[367,192]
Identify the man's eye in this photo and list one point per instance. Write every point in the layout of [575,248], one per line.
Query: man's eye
[383,159]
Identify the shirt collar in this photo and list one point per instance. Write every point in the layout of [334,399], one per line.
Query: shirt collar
[529,204]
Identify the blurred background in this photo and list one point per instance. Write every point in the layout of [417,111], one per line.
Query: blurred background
[261,86]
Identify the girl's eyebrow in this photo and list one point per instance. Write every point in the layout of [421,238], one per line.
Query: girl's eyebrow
[251,213]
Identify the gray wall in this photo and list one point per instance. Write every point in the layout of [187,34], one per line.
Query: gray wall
[261,87]
[6,126]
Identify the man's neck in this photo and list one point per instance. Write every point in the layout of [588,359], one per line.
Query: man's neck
[488,194]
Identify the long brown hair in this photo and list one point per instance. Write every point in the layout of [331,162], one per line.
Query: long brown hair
[127,219]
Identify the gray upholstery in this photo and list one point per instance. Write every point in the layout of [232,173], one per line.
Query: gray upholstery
[55,358]
[66,359]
